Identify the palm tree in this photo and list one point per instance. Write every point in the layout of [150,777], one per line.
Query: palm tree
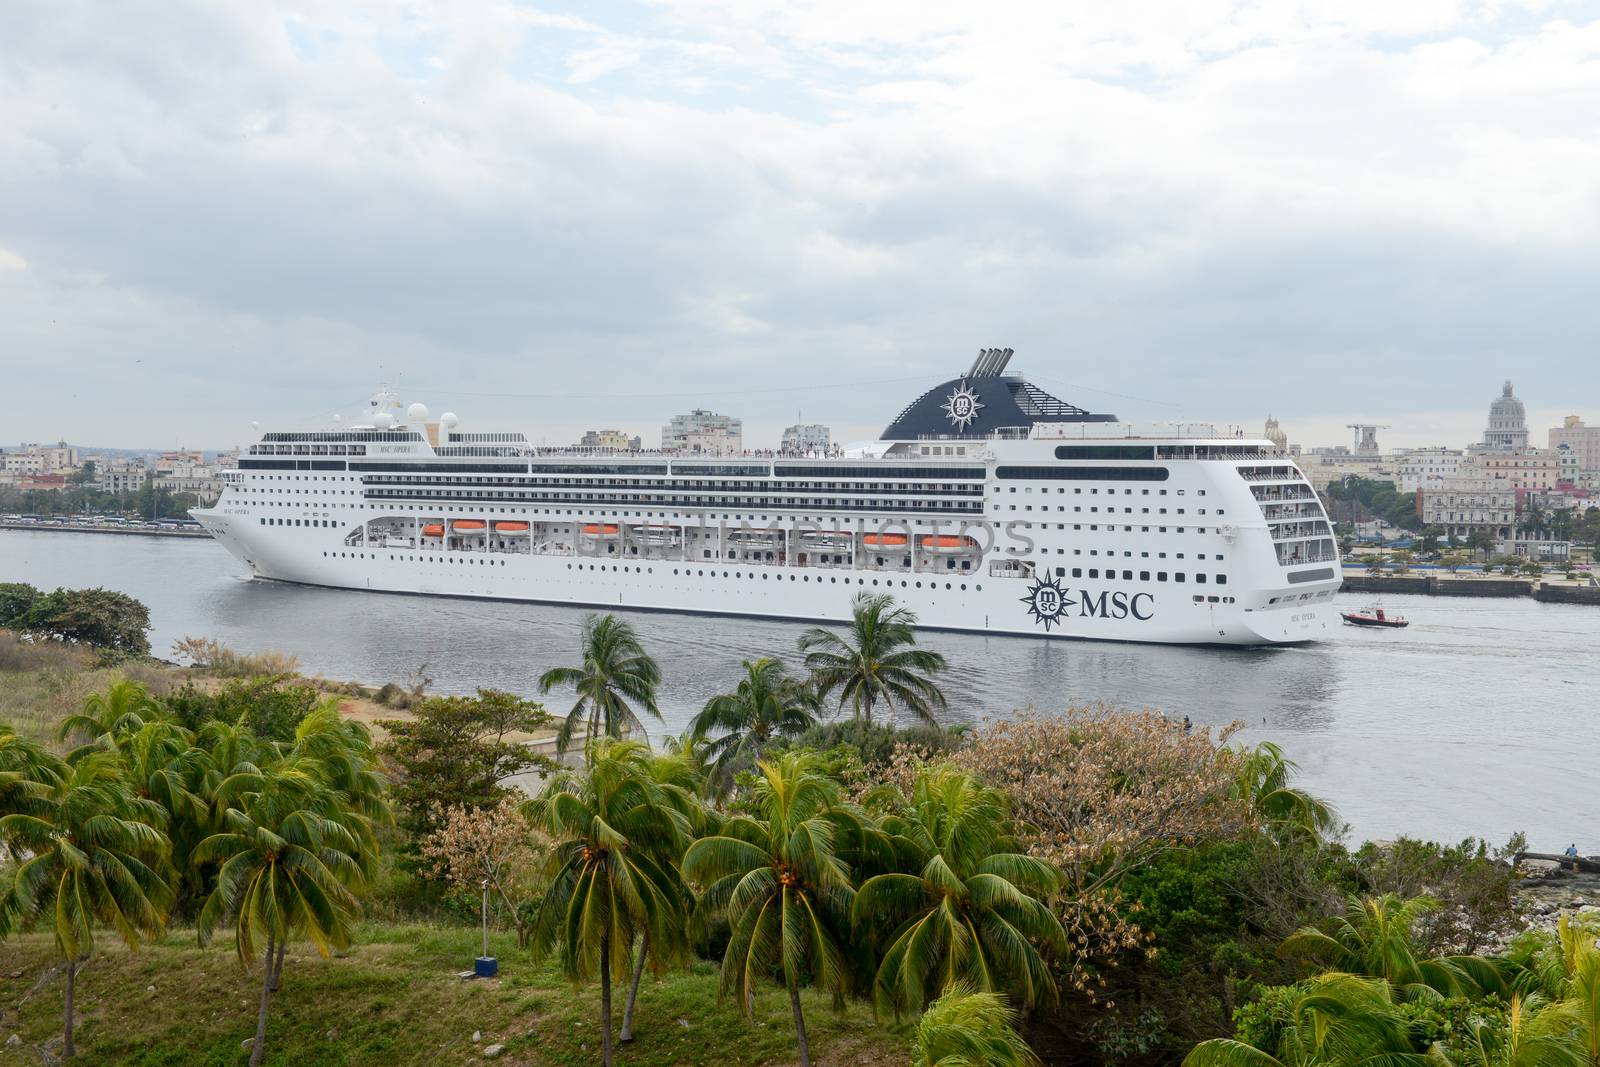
[615,670]
[767,705]
[28,772]
[289,867]
[607,885]
[785,883]
[93,850]
[1535,1034]
[964,1028]
[122,709]
[1263,781]
[1338,1019]
[971,913]
[875,661]
[1566,973]
[1375,939]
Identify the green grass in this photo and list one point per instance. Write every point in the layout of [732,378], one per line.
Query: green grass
[395,999]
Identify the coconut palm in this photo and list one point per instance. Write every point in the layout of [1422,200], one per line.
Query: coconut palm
[875,661]
[608,885]
[680,785]
[28,772]
[785,883]
[615,671]
[288,868]
[1375,939]
[1263,781]
[1565,972]
[122,709]
[965,907]
[1535,1033]
[964,1028]
[1337,1020]
[767,705]
[93,851]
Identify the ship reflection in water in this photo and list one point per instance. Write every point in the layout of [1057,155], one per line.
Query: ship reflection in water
[1467,722]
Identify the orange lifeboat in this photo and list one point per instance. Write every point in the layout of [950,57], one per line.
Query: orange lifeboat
[468,525]
[946,543]
[885,540]
[433,529]
[606,530]
[511,527]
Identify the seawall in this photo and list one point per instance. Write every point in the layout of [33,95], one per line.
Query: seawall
[1434,585]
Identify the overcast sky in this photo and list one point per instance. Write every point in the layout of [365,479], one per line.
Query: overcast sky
[555,217]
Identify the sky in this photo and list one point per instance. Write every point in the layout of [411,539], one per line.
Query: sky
[555,217]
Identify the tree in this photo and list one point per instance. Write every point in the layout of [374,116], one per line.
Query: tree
[1565,971]
[766,706]
[964,1028]
[606,885]
[1262,780]
[493,847]
[615,671]
[875,661]
[112,622]
[1375,939]
[107,717]
[93,855]
[291,857]
[1429,543]
[1375,565]
[963,907]
[1480,541]
[786,886]
[1331,1021]
[458,752]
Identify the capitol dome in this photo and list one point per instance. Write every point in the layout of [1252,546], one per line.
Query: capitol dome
[1508,422]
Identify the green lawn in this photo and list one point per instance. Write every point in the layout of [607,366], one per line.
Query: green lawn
[395,999]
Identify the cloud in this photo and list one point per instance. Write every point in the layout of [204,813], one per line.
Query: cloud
[1220,208]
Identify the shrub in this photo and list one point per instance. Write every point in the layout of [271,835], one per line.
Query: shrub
[113,623]
[271,708]
[208,654]
[875,743]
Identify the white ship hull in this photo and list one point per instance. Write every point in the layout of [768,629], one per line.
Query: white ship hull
[984,606]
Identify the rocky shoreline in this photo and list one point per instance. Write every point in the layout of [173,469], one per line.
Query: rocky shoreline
[1544,892]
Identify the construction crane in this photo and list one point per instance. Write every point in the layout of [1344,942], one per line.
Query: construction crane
[1366,437]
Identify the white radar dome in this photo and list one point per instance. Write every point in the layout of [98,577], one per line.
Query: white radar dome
[448,419]
[417,412]
[255,424]
[383,420]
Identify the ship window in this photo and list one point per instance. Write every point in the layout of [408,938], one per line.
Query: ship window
[1177,576]
[1161,576]
[1222,579]
[1094,572]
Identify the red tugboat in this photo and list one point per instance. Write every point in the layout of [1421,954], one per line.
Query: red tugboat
[1373,617]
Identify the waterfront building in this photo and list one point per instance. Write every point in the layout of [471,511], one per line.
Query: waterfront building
[986,505]
[1583,441]
[703,432]
[120,475]
[1340,464]
[612,440]
[26,461]
[1534,549]
[181,458]
[803,438]
[1415,468]
[1467,503]
[1508,423]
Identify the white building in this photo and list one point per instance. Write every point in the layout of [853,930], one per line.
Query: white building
[1467,503]
[1417,468]
[703,432]
[120,475]
[802,438]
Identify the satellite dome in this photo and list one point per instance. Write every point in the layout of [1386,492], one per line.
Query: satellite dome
[255,424]
[448,419]
[383,420]
[417,412]
[338,418]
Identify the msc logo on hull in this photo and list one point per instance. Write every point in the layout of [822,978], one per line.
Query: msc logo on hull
[1049,603]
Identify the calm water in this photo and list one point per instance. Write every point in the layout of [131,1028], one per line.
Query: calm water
[1478,719]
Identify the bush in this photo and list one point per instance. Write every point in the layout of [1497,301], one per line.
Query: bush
[208,654]
[874,742]
[271,708]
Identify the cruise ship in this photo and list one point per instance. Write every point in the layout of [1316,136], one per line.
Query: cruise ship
[988,505]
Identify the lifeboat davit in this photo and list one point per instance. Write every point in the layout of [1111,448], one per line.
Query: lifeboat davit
[468,526]
[946,543]
[603,531]
[885,540]
[510,527]
[433,529]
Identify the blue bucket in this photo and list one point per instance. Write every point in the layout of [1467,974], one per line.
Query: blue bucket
[486,966]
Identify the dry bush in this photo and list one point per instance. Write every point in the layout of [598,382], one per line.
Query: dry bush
[1097,790]
[20,654]
[210,655]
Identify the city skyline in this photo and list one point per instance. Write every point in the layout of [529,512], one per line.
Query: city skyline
[537,217]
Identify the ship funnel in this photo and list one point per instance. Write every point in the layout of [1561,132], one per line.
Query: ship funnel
[991,362]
